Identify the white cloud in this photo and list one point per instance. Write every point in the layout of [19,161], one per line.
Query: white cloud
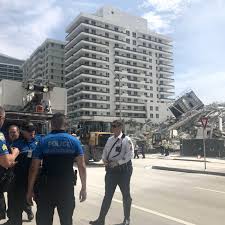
[162,13]
[209,86]
[175,6]
[25,24]
[158,23]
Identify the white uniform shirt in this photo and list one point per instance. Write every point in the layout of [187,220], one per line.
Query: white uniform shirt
[122,151]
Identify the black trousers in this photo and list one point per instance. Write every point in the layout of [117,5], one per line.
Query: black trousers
[16,204]
[2,206]
[55,195]
[136,154]
[112,179]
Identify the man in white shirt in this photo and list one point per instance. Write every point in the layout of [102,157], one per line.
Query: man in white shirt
[117,156]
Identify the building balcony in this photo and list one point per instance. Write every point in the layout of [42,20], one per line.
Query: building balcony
[157,50]
[98,101]
[132,59]
[131,110]
[125,80]
[86,83]
[168,93]
[167,86]
[141,75]
[86,59]
[126,95]
[89,109]
[97,27]
[132,66]
[156,42]
[165,58]
[82,51]
[167,66]
[131,51]
[166,78]
[83,66]
[81,75]
[104,93]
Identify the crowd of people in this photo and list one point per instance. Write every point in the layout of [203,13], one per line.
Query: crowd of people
[40,169]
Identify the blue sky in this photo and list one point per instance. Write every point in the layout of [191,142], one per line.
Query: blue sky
[196,26]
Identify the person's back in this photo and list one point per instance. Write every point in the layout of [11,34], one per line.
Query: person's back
[57,151]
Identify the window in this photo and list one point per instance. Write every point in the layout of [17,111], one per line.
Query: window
[116,37]
[128,32]
[157,108]
[106,26]
[151,108]
[151,115]
[107,35]
[157,116]
[134,42]
[51,76]
[116,29]
[93,23]
[128,41]
[134,34]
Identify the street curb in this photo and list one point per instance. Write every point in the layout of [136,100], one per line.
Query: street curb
[190,160]
[187,170]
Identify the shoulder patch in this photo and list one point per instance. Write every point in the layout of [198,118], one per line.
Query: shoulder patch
[2,137]
[4,147]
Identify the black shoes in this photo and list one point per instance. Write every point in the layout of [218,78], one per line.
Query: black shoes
[2,216]
[30,216]
[125,222]
[97,222]
[28,210]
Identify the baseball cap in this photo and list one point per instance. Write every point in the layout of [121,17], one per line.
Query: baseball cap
[29,127]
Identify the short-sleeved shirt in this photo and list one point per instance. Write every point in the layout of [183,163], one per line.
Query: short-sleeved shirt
[58,143]
[3,146]
[57,151]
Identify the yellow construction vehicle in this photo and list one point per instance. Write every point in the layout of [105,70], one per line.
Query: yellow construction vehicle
[95,143]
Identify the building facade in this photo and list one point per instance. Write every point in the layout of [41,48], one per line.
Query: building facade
[10,68]
[46,64]
[117,68]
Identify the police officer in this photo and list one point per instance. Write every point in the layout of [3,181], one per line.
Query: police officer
[57,151]
[14,140]
[117,156]
[17,192]
[6,160]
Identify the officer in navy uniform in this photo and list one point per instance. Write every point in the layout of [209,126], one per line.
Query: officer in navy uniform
[7,160]
[17,192]
[117,156]
[57,151]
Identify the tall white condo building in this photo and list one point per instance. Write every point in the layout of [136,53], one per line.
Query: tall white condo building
[117,68]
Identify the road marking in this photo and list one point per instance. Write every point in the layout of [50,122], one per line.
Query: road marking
[151,211]
[206,189]
[157,213]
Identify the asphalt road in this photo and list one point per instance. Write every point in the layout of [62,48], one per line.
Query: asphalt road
[159,198]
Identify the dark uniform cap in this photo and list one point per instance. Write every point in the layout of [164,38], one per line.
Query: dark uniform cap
[28,127]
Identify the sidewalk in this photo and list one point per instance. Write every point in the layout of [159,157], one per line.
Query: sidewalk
[174,162]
